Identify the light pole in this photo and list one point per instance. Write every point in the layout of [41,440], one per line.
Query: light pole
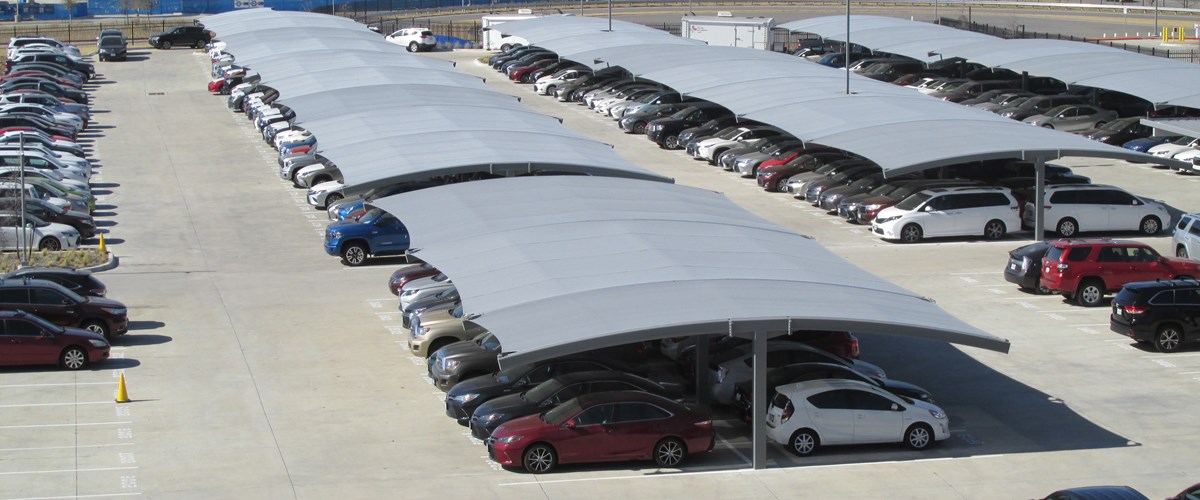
[936,18]
[1156,2]
[609,15]
[847,48]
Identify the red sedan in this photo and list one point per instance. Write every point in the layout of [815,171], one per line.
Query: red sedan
[26,339]
[408,273]
[603,427]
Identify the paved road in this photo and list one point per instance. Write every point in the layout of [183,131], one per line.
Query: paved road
[262,368]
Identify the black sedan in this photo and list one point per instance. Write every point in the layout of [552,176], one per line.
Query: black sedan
[1025,266]
[1118,132]
[550,393]
[466,396]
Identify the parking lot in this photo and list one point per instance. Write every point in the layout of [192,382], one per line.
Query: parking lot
[262,368]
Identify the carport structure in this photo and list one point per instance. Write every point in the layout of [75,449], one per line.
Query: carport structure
[560,265]
[899,129]
[387,117]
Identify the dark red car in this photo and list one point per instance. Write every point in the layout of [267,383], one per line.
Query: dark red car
[30,340]
[774,178]
[521,74]
[603,427]
[409,273]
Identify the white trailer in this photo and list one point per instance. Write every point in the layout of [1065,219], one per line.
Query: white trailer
[494,39]
[725,30]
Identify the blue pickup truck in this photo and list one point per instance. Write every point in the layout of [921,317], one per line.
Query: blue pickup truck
[376,233]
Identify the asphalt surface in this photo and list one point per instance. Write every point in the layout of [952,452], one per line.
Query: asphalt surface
[262,368]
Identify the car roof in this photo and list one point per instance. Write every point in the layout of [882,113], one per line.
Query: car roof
[1095,241]
[822,385]
[1162,284]
[626,396]
[962,189]
[593,375]
[64,271]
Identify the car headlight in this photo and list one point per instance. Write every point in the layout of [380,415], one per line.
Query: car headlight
[421,331]
[465,398]
[492,417]
[98,343]
[335,235]
[119,311]
[937,414]
[884,220]
[871,207]
[510,439]
[452,365]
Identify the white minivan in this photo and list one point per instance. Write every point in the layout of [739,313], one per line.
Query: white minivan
[1074,208]
[954,211]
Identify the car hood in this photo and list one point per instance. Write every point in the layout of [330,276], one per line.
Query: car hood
[104,302]
[82,334]
[463,349]
[511,404]
[520,426]
[1182,264]
[487,385]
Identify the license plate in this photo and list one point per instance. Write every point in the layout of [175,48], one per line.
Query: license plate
[1012,266]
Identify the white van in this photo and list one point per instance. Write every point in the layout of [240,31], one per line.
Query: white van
[955,211]
[1073,208]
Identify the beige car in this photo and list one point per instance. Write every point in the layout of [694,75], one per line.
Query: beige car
[435,329]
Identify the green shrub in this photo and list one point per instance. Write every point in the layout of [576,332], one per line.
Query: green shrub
[77,258]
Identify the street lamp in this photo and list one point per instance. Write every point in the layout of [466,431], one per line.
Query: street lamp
[847,48]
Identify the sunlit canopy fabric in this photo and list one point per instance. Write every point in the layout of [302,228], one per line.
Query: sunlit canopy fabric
[325,80]
[558,265]
[301,46]
[289,65]
[890,125]
[391,97]
[239,21]
[367,125]
[1162,81]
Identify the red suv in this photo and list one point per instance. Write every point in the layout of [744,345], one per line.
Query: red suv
[1086,269]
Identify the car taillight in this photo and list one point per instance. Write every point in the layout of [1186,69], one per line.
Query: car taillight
[787,412]
[854,348]
[1135,309]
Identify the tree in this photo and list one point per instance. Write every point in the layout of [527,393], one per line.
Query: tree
[145,5]
[70,6]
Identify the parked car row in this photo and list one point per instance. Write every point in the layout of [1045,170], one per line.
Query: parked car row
[43,109]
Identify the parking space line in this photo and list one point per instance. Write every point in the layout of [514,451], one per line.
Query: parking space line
[27,405]
[1069,310]
[51,385]
[1172,356]
[35,426]
[102,495]
[3,450]
[63,471]
[1090,324]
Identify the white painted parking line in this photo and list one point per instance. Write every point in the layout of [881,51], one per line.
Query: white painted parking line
[65,471]
[54,385]
[1090,324]
[1188,373]
[1172,356]
[102,495]
[35,426]
[1080,310]
[3,450]
[27,405]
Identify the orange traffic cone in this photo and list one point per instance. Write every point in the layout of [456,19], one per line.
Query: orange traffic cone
[122,394]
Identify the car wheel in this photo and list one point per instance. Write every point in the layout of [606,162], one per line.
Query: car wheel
[639,128]
[804,442]
[1043,290]
[1150,225]
[354,254]
[1067,227]
[910,233]
[1099,124]
[332,198]
[1047,125]
[1090,293]
[198,45]
[438,344]
[73,358]
[550,90]
[96,326]
[413,47]
[539,459]
[50,244]
[166,45]
[918,437]
[781,185]
[1168,338]
[994,230]
[669,452]
[505,47]
[1181,252]
[320,179]
[671,142]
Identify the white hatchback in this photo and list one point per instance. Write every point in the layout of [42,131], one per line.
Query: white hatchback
[1074,208]
[955,211]
[807,415]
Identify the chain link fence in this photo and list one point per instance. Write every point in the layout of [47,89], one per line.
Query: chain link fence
[83,31]
[1185,54]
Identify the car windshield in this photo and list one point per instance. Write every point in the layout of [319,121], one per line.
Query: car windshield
[1119,125]
[111,42]
[561,412]
[489,342]
[1055,111]
[447,292]
[913,201]
[45,325]
[542,392]
[370,216]
[683,113]
[884,189]
[729,133]
[508,375]
[864,182]
[457,312]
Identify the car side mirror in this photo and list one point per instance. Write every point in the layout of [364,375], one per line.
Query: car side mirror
[928,208]
[895,407]
[570,424]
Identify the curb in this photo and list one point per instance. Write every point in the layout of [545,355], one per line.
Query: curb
[112,263]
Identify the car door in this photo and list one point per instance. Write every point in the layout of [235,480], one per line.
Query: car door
[1089,207]
[53,306]
[1144,265]
[1083,118]
[876,419]
[1191,239]
[388,235]
[940,215]
[1125,211]
[635,428]
[1187,304]
[832,414]
[588,439]
[25,343]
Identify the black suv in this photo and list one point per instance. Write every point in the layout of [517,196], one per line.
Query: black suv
[187,36]
[1166,313]
[665,131]
[60,306]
